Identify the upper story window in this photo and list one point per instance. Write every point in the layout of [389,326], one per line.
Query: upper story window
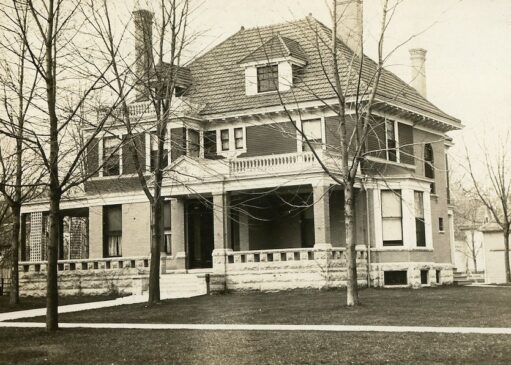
[238,138]
[154,152]
[267,78]
[392,217]
[312,130]
[111,156]
[193,143]
[391,140]
[224,139]
[429,167]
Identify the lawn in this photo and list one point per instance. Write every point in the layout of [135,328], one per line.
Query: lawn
[33,346]
[40,302]
[443,306]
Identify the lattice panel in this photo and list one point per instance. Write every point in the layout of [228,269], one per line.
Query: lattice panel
[36,236]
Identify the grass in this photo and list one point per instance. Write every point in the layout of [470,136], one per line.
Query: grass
[33,346]
[40,302]
[444,306]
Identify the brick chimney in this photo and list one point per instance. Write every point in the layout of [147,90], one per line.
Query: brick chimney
[418,65]
[350,26]
[144,64]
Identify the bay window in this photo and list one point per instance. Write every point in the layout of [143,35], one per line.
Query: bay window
[238,138]
[392,218]
[154,152]
[224,139]
[193,143]
[391,140]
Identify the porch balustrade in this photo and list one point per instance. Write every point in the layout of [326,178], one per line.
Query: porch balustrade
[289,162]
[110,263]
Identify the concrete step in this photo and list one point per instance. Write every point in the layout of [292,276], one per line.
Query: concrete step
[177,285]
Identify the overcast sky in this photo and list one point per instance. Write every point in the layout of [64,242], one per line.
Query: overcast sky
[468,44]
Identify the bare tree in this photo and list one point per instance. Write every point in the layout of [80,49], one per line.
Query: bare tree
[494,191]
[156,74]
[18,178]
[57,51]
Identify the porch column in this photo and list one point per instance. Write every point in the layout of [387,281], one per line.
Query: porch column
[322,216]
[222,234]
[177,222]
[244,231]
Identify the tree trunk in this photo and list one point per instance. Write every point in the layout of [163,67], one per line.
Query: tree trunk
[351,254]
[506,254]
[14,298]
[52,297]
[154,274]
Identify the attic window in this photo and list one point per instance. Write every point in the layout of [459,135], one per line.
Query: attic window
[267,78]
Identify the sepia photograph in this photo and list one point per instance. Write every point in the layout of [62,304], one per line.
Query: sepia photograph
[255,182]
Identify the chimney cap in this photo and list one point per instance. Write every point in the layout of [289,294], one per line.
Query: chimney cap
[143,13]
[417,52]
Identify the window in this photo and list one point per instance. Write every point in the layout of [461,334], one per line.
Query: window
[420,228]
[438,276]
[167,228]
[111,157]
[391,141]
[154,152]
[224,139]
[395,278]
[238,138]
[193,143]
[424,277]
[392,224]
[312,130]
[267,78]
[113,230]
[429,168]
[440,224]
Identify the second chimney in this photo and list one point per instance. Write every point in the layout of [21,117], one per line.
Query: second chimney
[143,20]
[350,24]
[418,64]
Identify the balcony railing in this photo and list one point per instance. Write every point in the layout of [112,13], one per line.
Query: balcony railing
[289,162]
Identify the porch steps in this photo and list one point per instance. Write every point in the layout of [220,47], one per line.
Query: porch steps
[461,279]
[182,285]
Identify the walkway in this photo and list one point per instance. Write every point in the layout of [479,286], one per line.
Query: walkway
[270,327]
[131,299]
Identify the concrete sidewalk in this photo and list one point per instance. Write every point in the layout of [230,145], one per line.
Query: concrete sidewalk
[131,299]
[270,327]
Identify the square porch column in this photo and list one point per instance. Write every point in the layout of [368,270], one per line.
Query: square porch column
[244,231]
[321,198]
[177,222]
[222,234]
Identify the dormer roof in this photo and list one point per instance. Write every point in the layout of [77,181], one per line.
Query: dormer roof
[277,47]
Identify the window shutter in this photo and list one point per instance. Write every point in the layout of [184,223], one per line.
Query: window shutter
[93,157]
[376,143]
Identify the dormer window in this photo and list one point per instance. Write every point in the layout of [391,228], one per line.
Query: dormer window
[274,66]
[267,78]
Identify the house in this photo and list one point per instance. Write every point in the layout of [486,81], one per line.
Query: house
[247,201]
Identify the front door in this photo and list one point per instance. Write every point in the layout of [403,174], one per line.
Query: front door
[200,241]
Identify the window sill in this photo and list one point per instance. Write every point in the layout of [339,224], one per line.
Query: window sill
[393,163]
[99,178]
[401,249]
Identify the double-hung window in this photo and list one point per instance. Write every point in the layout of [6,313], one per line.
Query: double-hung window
[312,132]
[113,230]
[267,78]
[429,167]
[111,156]
[238,138]
[154,152]
[193,143]
[392,218]
[224,139]
[391,140]
[420,227]
[167,227]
